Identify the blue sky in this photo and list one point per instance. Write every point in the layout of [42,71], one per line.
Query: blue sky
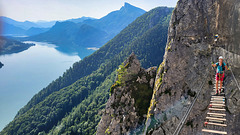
[34,10]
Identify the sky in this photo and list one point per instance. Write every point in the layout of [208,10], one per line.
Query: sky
[35,10]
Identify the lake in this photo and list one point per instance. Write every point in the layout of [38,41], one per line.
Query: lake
[24,74]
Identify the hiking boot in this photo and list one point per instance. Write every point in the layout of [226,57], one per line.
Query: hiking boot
[219,92]
[222,90]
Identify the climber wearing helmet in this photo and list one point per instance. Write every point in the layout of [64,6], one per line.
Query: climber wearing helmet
[216,38]
[221,66]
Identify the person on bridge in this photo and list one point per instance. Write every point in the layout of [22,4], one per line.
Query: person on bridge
[221,66]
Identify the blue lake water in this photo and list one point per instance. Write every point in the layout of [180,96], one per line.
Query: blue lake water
[24,74]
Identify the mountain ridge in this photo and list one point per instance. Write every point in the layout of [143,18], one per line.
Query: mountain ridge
[126,10]
[105,29]
[12,27]
[24,25]
[130,96]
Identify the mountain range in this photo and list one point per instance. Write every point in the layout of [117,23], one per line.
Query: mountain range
[72,103]
[16,28]
[23,25]
[75,35]
[78,36]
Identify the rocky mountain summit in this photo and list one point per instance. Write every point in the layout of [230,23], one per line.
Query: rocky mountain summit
[127,106]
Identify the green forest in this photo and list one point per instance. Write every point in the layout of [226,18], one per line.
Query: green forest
[9,46]
[72,103]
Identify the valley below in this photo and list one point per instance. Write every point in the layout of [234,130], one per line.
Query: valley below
[27,72]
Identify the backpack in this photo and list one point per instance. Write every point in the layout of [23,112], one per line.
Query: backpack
[223,67]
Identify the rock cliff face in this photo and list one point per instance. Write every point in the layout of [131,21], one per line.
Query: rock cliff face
[185,70]
[127,106]
[189,52]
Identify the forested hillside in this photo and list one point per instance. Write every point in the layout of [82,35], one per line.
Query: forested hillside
[9,46]
[72,103]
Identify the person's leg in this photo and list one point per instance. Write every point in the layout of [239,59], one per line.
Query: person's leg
[217,77]
[221,84]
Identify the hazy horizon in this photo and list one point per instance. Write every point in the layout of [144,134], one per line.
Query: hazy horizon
[57,10]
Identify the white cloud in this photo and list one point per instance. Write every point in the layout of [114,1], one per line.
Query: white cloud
[93,48]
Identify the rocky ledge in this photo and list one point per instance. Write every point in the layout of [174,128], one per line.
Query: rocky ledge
[131,93]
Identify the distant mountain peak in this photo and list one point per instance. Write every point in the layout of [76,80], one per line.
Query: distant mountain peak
[128,6]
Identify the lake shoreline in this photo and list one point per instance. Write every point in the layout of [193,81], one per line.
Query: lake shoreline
[25,73]
[10,46]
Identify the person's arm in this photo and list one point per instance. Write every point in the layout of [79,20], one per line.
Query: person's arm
[214,65]
[226,67]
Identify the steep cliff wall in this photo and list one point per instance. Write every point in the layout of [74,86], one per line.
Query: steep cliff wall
[127,106]
[187,63]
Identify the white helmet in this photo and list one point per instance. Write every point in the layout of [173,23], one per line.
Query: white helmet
[221,57]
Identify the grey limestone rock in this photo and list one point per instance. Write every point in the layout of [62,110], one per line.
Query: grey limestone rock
[129,101]
[190,49]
